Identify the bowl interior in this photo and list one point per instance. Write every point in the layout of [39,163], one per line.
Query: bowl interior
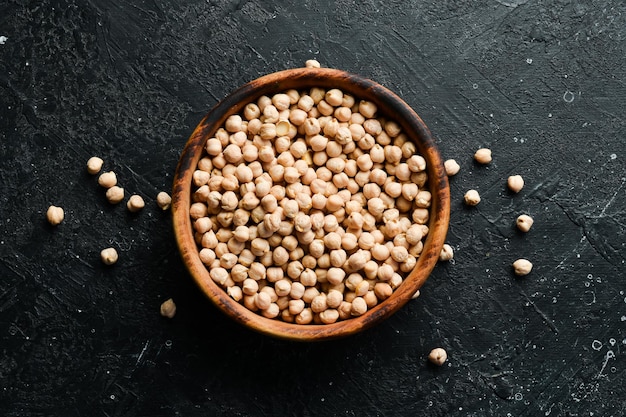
[389,105]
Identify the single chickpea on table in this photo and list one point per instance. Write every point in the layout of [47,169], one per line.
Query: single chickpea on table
[483,156]
[55,215]
[515,183]
[94,165]
[438,356]
[109,256]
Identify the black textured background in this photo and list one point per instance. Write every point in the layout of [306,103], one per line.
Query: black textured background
[540,82]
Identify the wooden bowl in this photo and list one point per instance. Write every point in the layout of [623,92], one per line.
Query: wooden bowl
[300,79]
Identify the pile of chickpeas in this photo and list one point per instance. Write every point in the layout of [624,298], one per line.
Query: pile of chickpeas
[309,206]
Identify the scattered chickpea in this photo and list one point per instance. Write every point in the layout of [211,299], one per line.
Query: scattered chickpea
[55,215]
[483,156]
[312,63]
[515,183]
[524,222]
[107,179]
[94,165]
[109,256]
[447,253]
[135,203]
[438,356]
[522,267]
[472,198]
[452,167]
[115,194]
[163,200]
[168,308]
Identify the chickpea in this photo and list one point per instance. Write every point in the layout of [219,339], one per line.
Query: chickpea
[296,306]
[109,256]
[213,147]
[312,63]
[483,156]
[107,179]
[447,253]
[233,123]
[399,254]
[334,298]
[438,356]
[163,200]
[522,267]
[452,167]
[329,316]
[380,252]
[305,316]
[135,203]
[394,189]
[94,165]
[55,215]
[375,206]
[343,136]
[335,275]
[413,235]
[385,272]
[472,198]
[411,192]
[359,307]
[524,222]
[367,109]
[334,97]
[249,286]
[235,292]
[515,183]
[168,308]
[382,290]
[251,111]
[272,311]
[262,300]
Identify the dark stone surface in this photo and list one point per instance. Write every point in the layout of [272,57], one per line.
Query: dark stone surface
[539,82]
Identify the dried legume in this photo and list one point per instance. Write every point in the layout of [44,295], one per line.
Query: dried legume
[309,207]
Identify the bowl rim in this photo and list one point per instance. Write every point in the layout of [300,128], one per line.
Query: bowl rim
[301,79]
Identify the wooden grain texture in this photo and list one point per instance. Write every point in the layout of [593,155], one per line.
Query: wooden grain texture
[388,104]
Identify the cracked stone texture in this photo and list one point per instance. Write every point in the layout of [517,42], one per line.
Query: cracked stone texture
[541,83]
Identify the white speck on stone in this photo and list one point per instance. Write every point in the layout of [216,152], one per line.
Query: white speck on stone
[596,345]
[529,60]
[3,40]
[568,96]
[549,114]
[613,156]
